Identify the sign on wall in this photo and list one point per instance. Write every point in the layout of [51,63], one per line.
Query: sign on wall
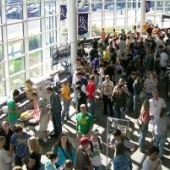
[82,23]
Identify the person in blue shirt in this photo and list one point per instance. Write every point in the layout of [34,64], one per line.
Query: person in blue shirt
[122,160]
[50,164]
[19,142]
[64,150]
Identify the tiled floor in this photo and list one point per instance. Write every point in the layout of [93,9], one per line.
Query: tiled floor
[101,124]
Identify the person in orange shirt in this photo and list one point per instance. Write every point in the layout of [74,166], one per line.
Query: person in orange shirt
[65,93]
[103,35]
[114,33]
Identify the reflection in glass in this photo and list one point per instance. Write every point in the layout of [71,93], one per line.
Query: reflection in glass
[35,58]
[17,81]
[16,65]
[15,31]
[1,53]
[15,49]
[34,27]
[14,12]
[36,72]
[50,37]
[33,10]
[34,42]
[50,23]
[50,8]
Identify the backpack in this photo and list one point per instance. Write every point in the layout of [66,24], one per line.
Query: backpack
[100,146]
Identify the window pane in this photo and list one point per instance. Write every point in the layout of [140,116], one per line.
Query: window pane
[48,68]
[16,65]
[35,58]
[2,89]
[50,8]
[34,27]
[96,25]
[47,53]
[1,71]
[1,53]
[50,23]
[34,42]
[97,7]
[36,72]
[16,81]
[33,10]
[0,14]
[14,13]
[96,16]
[0,34]
[50,37]
[15,31]
[15,49]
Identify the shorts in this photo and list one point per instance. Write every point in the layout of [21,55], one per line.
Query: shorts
[43,123]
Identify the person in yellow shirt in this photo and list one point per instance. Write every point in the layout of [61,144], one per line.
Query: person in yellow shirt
[66,95]
[144,28]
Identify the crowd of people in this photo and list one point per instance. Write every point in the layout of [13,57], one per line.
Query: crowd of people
[122,71]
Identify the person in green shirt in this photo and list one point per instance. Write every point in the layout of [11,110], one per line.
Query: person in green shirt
[84,122]
[12,109]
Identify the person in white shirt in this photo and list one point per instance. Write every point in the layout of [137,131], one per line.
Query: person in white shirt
[156,104]
[160,130]
[152,162]
[163,63]
[106,90]
[5,160]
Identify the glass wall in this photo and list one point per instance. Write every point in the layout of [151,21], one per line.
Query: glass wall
[28,28]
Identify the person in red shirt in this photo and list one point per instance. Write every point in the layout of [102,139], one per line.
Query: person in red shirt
[91,88]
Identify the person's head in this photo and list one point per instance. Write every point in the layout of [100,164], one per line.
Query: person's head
[120,149]
[49,90]
[5,126]
[151,76]
[155,94]
[107,78]
[95,133]
[92,77]
[15,93]
[34,95]
[52,156]
[145,106]
[68,165]
[18,130]
[65,82]
[153,153]
[85,143]
[121,81]
[17,168]
[83,108]
[117,134]
[64,140]
[78,88]
[34,145]
[2,141]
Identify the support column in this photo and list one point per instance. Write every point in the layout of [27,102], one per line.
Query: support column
[142,20]
[73,31]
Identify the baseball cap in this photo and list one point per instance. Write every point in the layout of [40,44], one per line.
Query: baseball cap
[84,141]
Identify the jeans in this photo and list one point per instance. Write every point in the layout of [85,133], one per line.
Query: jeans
[136,105]
[92,107]
[119,113]
[107,101]
[160,143]
[56,119]
[66,109]
[142,136]
[97,167]
[130,103]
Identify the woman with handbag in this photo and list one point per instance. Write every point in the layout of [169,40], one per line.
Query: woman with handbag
[64,150]
[143,120]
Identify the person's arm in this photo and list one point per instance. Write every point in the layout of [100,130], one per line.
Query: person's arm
[11,149]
